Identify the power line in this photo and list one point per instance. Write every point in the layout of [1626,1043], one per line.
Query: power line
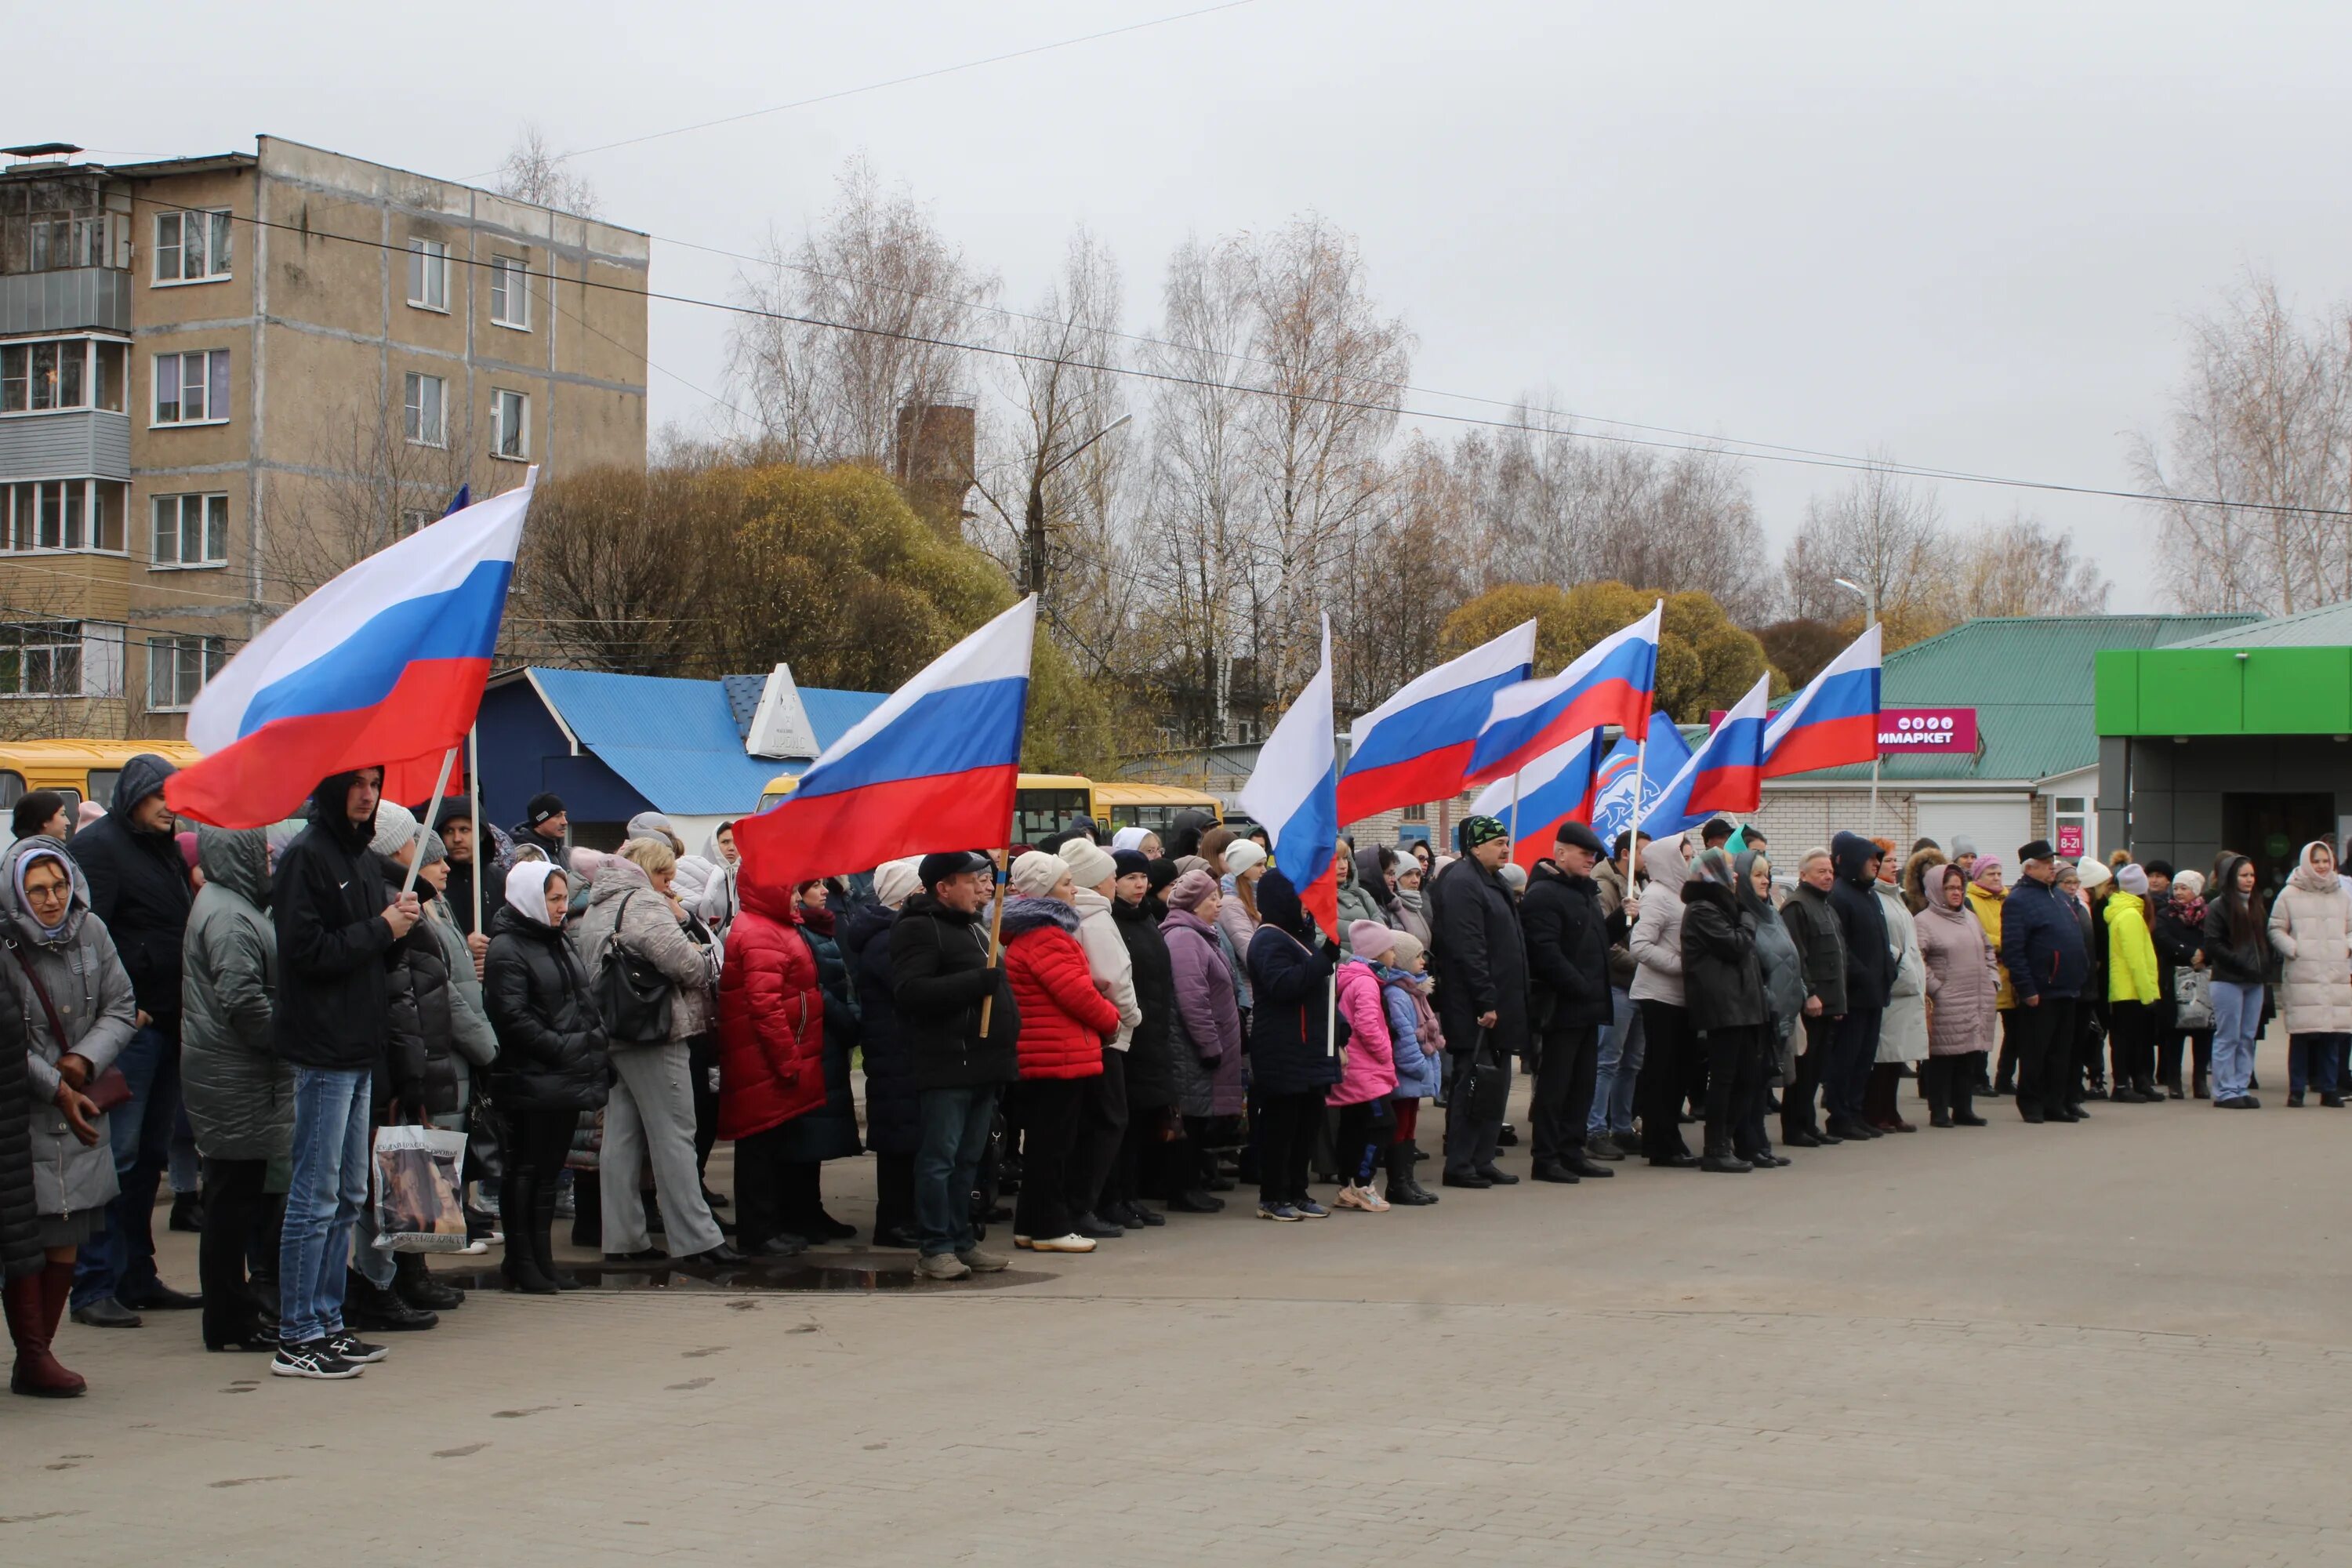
[1797,456]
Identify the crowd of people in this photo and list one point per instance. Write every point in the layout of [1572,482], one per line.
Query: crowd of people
[1106,1033]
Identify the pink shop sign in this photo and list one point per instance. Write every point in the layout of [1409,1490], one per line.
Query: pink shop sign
[1903,730]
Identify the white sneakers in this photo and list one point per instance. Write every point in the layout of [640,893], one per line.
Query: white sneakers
[1364,1198]
[1073,1242]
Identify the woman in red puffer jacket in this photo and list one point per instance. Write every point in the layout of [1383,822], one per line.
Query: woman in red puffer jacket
[770,1055]
[1065,1020]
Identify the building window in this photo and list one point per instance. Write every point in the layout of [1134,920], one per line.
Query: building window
[191,247]
[62,514]
[423,406]
[68,372]
[428,274]
[190,531]
[509,292]
[60,658]
[177,668]
[417,519]
[2070,824]
[510,425]
[1416,813]
[192,388]
[53,243]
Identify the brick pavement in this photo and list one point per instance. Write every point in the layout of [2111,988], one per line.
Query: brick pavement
[2123,1342]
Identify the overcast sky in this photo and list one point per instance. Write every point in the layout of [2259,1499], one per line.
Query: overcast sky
[1966,236]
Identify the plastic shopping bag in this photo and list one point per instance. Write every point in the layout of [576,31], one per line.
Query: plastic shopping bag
[417,1187]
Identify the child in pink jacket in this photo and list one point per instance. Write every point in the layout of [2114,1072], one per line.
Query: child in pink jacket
[1368,1069]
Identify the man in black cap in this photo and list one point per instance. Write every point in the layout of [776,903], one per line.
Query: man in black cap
[543,827]
[1567,955]
[1482,998]
[1714,833]
[942,980]
[2041,947]
[453,821]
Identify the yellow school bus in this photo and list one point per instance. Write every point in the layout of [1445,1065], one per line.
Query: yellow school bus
[1044,804]
[79,770]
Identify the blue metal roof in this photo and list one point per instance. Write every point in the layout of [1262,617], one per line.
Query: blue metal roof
[676,741]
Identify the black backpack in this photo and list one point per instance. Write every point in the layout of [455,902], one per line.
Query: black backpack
[631,995]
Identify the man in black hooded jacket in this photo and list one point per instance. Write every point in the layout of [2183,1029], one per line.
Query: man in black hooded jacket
[1568,956]
[1869,981]
[1481,962]
[339,930]
[139,887]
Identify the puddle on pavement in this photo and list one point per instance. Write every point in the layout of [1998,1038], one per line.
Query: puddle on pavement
[811,1273]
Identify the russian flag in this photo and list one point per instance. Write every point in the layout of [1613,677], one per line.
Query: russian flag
[1416,746]
[1610,683]
[381,666]
[1295,791]
[1726,774]
[1612,811]
[1834,720]
[1561,785]
[933,768]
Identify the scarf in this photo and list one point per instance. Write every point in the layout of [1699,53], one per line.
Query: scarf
[25,863]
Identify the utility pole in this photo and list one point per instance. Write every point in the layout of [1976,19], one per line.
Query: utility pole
[1032,522]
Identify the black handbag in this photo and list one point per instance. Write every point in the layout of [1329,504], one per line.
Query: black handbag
[632,996]
[1485,1085]
[485,1156]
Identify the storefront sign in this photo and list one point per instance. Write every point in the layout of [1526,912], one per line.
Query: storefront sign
[2070,842]
[1903,732]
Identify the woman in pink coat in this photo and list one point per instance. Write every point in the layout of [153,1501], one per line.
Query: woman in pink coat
[1367,1069]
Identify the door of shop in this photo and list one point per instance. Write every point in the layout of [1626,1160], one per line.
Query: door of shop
[2271,830]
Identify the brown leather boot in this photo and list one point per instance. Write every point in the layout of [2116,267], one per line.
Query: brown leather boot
[36,1306]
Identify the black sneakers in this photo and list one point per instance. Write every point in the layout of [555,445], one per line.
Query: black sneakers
[314,1359]
[358,1352]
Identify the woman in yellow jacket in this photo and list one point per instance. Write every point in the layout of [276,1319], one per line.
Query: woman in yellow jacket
[1985,896]
[2131,991]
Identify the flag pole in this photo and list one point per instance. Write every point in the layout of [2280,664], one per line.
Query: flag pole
[996,936]
[1633,828]
[416,861]
[474,809]
[1514,813]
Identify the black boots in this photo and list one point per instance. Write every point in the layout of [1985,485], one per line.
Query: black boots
[1404,1192]
[1720,1160]
[414,1283]
[527,1231]
[376,1311]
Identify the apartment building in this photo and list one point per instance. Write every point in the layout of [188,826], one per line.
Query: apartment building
[224,378]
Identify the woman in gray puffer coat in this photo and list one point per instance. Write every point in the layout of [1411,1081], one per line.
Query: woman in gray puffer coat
[650,1114]
[239,1093]
[63,966]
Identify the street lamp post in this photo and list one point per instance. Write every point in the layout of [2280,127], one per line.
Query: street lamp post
[1869,597]
[1034,521]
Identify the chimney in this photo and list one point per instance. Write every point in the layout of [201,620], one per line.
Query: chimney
[780,725]
[932,460]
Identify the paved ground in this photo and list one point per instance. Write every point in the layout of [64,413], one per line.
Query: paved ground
[2128,1342]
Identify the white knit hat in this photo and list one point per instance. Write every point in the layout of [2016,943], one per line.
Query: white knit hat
[1089,866]
[1036,874]
[395,830]
[894,880]
[1241,853]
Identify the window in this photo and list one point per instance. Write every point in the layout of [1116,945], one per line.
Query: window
[60,658]
[190,530]
[177,668]
[2070,822]
[413,519]
[62,514]
[423,406]
[1416,813]
[68,372]
[510,425]
[511,292]
[428,274]
[191,247]
[192,388]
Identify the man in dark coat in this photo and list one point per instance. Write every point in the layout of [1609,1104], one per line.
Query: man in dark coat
[453,819]
[1811,918]
[545,823]
[1869,981]
[1482,998]
[339,930]
[1723,984]
[1567,955]
[139,887]
[957,1018]
[2043,947]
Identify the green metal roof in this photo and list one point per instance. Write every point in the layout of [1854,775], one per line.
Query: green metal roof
[2329,625]
[2029,679]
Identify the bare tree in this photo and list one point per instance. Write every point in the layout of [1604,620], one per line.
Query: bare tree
[367,485]
[535,171]
[616,568]
[895,300]
[1881,533]
[2262,424]
[2021,568]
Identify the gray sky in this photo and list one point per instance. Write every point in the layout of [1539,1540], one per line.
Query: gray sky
[1965,236]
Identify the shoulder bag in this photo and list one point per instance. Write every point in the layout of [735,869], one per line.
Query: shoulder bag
[631,995]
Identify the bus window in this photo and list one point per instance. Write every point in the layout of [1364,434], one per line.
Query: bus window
[12,788]
[1040,812]
[102,785]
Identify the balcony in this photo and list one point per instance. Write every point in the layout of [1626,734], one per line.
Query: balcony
[72,444]
[69,299]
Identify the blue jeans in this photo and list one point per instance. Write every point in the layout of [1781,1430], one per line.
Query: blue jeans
[955,1135]
[1621,1065]
[2311,1062]
[120,1260]
[2236,1011]
[322,1203]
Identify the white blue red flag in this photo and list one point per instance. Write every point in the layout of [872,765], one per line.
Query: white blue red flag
[1612,811]
[1561,785]
[1610,683]
[1416,746]
[933,768]
[1295,792]
[382,666]
[1834,720]
[1724,774]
